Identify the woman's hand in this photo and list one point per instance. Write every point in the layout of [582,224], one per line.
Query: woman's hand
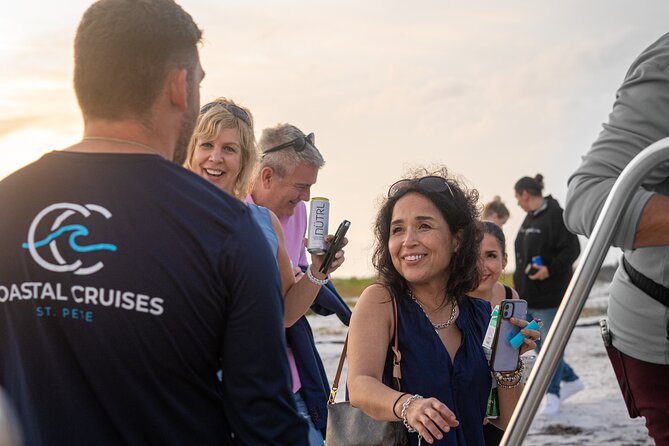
[317,260]
[430,417]
[541,274]
[529,343]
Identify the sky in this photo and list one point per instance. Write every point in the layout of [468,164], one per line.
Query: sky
[493,90]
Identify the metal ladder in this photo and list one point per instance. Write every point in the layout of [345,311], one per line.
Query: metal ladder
[579,288]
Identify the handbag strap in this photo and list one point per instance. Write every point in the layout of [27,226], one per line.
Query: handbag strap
[397,357]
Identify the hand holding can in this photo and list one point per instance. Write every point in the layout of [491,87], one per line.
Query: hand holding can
[319,218]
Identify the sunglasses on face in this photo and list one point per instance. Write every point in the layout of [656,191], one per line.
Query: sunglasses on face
[427,184]
[298,144]
[236,111]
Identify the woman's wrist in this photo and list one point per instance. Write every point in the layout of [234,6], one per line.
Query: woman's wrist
[319,279]
[397,402]
[405,410]
[509,380]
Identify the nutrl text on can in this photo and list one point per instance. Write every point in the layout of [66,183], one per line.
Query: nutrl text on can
[319,217]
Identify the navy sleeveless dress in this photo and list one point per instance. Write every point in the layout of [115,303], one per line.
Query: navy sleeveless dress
[463,385]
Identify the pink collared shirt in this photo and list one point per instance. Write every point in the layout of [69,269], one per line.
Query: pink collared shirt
[294,229]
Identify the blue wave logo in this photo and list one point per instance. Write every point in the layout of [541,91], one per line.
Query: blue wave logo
[77,231]
[74,230]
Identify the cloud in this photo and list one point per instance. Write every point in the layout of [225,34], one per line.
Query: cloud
[11,125]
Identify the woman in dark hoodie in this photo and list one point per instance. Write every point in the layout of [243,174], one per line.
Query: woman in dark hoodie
[545,252]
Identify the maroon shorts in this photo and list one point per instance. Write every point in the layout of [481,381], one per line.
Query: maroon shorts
[645,388]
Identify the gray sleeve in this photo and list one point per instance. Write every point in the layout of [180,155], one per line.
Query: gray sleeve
[640,116]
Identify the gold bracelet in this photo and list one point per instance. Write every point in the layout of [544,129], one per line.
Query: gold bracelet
[511,379]
[508,386]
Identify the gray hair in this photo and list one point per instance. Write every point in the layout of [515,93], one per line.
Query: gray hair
[283,162]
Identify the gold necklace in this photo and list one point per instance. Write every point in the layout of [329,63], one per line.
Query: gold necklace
[123,141]
[443,325]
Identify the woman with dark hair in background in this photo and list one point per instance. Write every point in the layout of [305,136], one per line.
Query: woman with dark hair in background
[493,261]
[427,256]
[545,252]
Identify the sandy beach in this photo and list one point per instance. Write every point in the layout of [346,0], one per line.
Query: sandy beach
[595,416]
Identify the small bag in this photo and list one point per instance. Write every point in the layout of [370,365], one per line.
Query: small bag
[349,426]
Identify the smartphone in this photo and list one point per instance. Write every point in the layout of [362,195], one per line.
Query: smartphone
[504,357]
[334,246]
[530,269]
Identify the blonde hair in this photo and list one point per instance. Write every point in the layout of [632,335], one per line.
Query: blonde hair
[496,206]
[211,123]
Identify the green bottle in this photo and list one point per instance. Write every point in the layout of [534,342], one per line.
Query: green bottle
[492,408]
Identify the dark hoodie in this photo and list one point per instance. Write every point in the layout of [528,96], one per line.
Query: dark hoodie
[544,234]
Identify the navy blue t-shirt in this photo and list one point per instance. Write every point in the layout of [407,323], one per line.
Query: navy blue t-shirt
[126,282]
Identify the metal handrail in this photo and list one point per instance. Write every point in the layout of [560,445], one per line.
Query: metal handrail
[579,287]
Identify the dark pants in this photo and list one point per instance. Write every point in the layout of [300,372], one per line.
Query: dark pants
[563,372]
[645,388]
[492,435]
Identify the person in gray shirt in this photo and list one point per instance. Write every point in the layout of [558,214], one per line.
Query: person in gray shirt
[638,320]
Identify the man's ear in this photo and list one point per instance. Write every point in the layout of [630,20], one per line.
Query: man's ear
[266,176]
[177,88]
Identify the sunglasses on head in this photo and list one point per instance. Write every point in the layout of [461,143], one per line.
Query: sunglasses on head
[427,184]
[298,144]
[236,111]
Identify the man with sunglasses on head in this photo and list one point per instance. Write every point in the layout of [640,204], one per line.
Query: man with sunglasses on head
[289,167]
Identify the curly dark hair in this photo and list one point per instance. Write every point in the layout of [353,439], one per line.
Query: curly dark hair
[460,212]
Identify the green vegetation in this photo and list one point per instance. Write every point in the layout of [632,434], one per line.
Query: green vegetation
[352,286]
[507,279]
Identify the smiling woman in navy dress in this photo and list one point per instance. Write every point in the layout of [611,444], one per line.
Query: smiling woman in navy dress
[427,255]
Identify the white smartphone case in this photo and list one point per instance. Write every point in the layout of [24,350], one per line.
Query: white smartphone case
[504,357]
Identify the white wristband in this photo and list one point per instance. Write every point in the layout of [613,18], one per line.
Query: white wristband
[316,281]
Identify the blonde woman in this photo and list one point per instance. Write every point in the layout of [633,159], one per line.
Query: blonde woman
[223,151]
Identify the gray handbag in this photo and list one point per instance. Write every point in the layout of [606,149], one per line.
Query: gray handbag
[349,426]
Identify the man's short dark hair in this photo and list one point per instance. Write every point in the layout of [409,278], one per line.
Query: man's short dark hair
[123,51]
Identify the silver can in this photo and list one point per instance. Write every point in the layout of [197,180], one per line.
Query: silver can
[319,218]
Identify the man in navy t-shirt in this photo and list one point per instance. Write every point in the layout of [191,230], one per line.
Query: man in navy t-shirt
[127,282]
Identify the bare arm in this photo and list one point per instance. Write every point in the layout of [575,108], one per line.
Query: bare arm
[370,333]
[282,259]
[368,340]
[508,398]
[298,295]
[653,229]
